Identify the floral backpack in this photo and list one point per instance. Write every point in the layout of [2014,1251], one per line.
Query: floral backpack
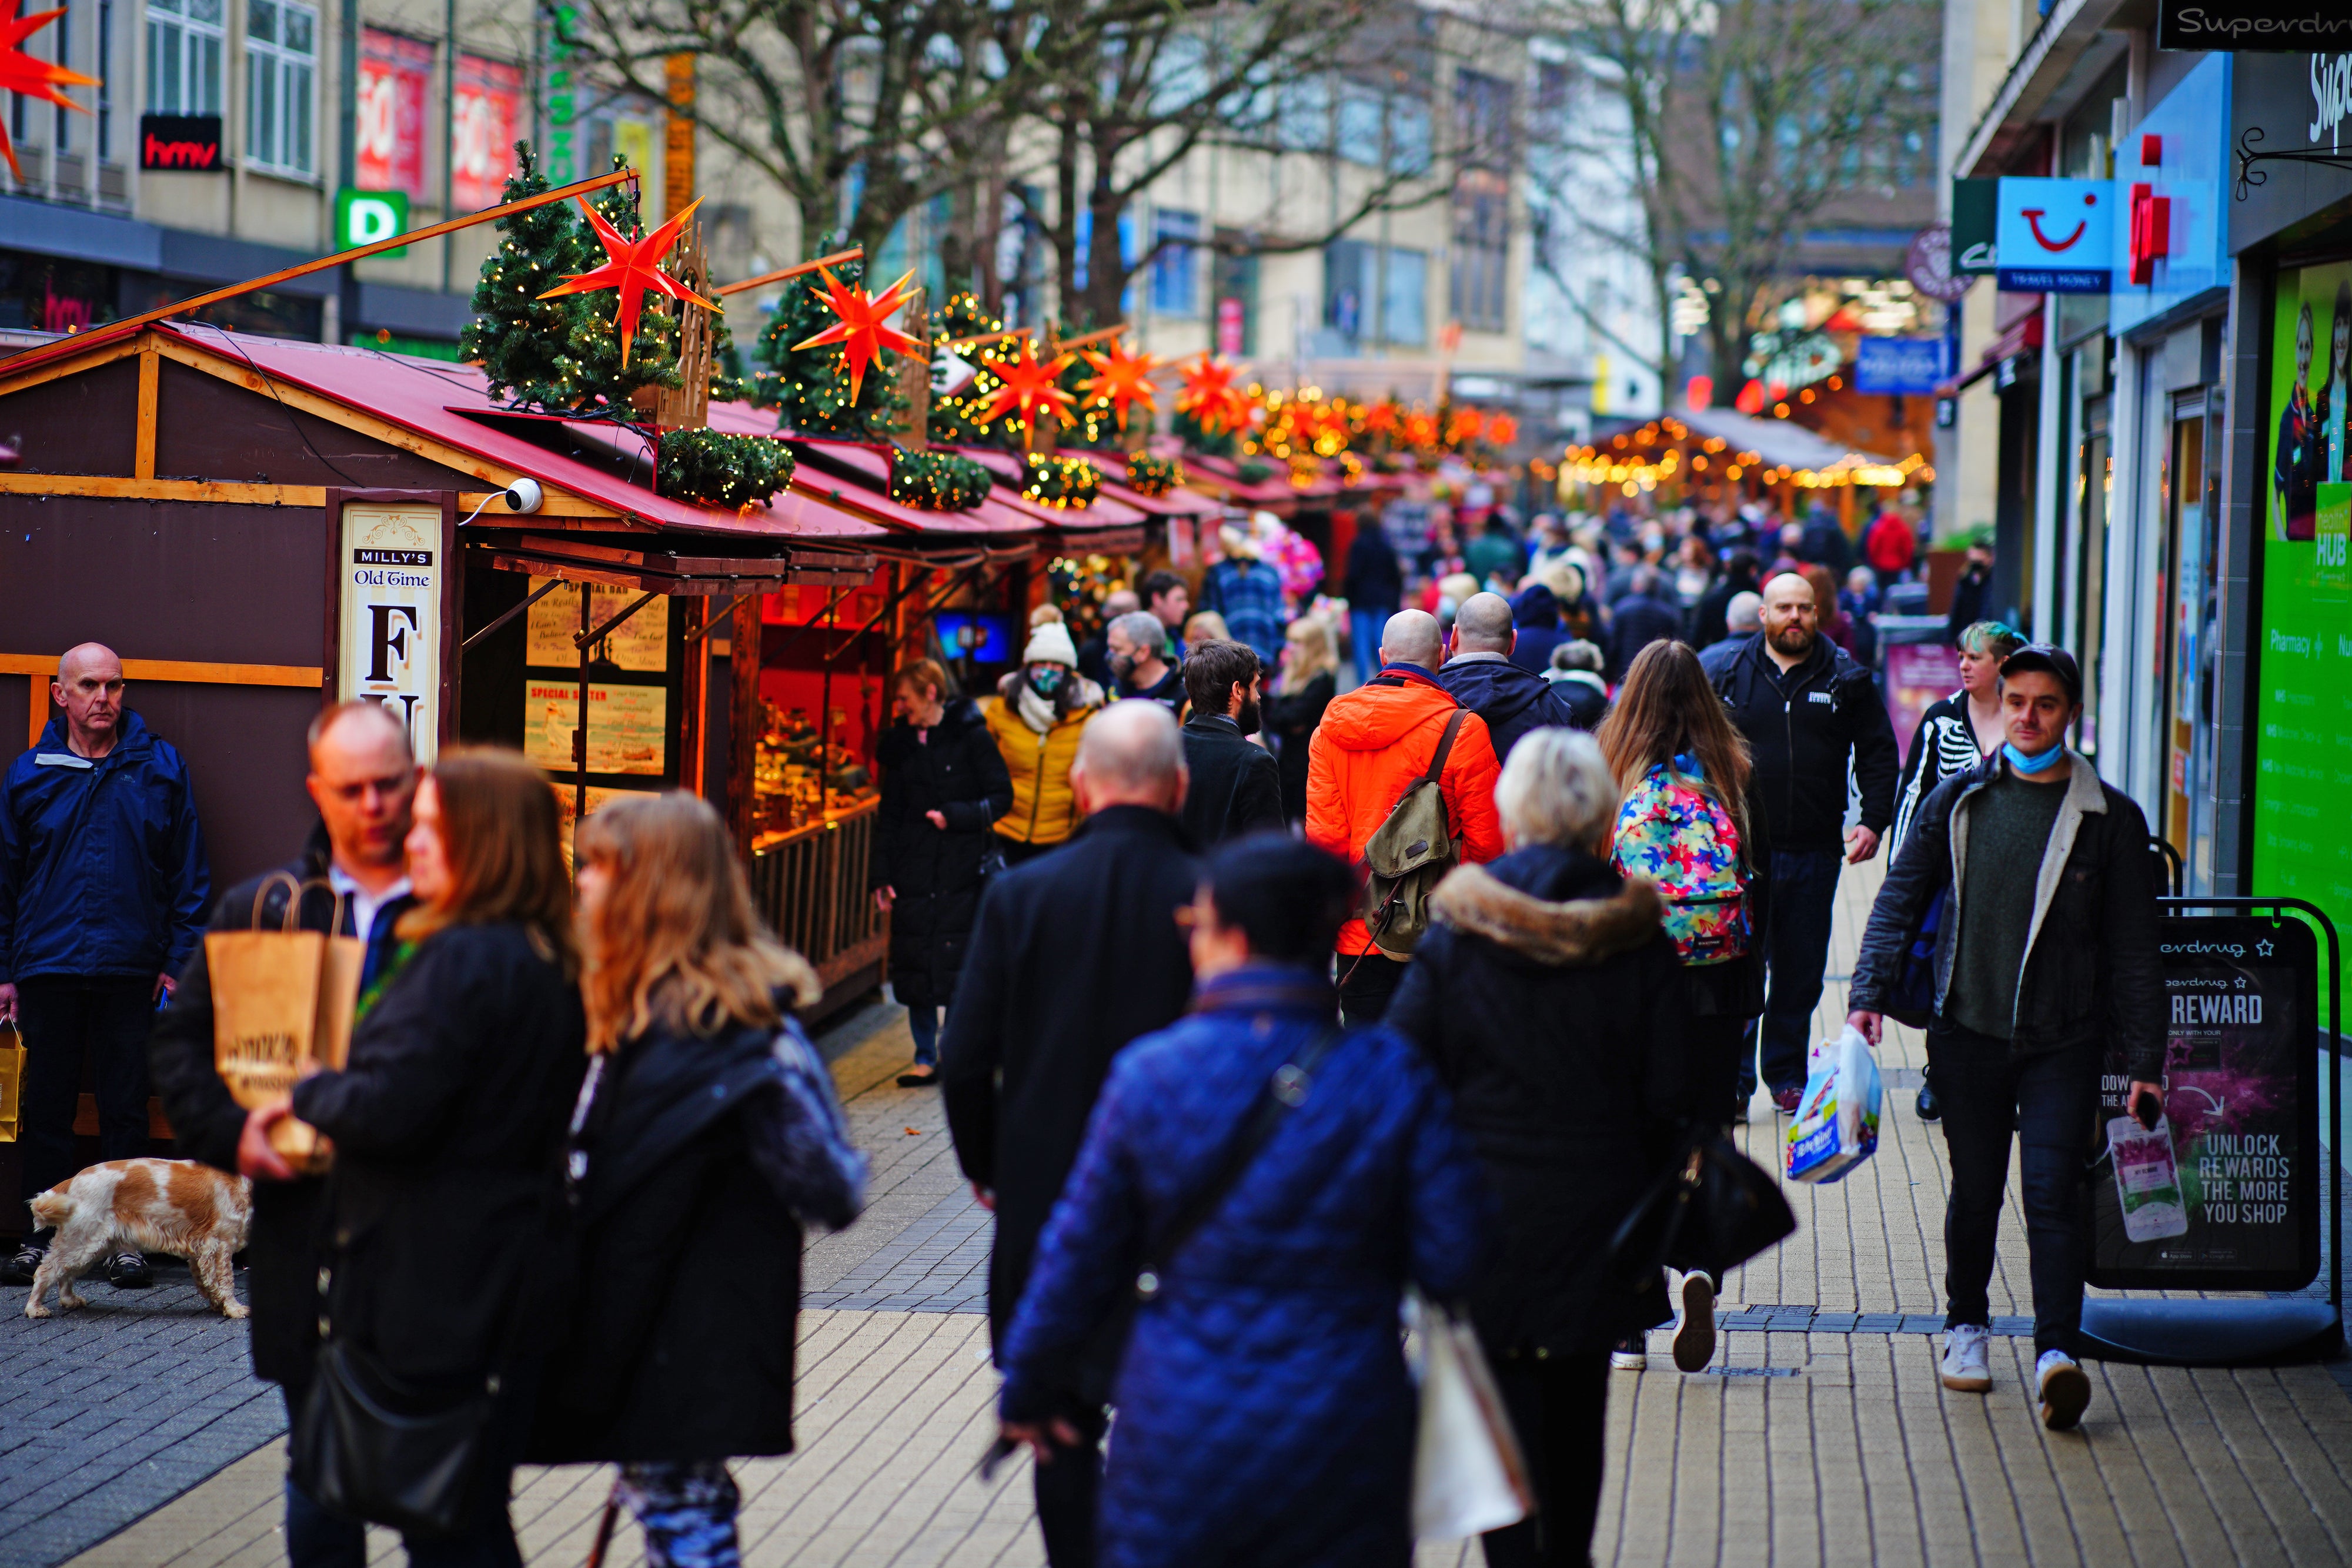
[1675,834]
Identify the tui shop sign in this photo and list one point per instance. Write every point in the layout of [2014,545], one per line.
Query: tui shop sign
[2248,26]
[2056,236]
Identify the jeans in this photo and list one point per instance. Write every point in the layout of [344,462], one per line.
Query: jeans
[1364,629]
[488,1542]
[2054,1099]
[686,1508]
[315,1538]
[1366,985]
[923,1023]
[1801,899]
[61,1017]
[1560,1408]
[1067,1492]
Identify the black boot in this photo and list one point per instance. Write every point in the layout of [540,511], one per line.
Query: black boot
[1930,1109]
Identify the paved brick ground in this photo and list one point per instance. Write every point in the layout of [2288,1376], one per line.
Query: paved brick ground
[1820,1436]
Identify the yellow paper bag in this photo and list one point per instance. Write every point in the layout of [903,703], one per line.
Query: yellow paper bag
[282,1006]
[12,1082]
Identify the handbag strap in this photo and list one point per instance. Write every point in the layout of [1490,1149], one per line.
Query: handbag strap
[1284,1092]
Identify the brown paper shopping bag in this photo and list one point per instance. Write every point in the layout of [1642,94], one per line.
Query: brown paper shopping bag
[12,1082]
[282,1005]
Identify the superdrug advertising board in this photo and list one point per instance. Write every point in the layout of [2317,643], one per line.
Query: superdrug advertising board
[2223,1195]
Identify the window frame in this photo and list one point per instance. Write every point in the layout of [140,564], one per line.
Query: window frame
[272,67]
[175,19]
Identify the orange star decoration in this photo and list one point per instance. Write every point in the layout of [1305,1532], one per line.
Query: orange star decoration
[21,73]
[1029,387]
[1210,396]
[1420,429]
[632,266]
[863,330]
[1462,427]
[1120,379]
[1380,418]
[1502,430]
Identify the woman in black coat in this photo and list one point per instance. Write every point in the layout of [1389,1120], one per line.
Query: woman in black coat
[1307,682]
[447,1121]
[708,1132]
[943,782]
[1545,996]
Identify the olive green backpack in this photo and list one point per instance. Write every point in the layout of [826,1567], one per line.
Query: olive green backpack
[1408,854]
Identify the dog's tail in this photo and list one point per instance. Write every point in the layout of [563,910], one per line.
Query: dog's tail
[51,1208]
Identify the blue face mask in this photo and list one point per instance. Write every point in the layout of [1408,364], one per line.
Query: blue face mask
[1045,679]
[2024,764]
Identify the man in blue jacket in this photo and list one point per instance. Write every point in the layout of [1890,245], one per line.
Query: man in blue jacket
[102,889]
[1483,678]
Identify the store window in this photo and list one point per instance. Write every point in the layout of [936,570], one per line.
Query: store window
[1347,264]
[184,41]
[1481,249]
[281,66]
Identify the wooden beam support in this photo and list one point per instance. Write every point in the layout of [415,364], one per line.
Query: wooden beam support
[188,671]
[143,463]
[230,493]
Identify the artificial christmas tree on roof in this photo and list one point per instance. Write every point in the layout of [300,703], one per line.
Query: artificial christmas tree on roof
[959,418]
[811,387]
[562,355]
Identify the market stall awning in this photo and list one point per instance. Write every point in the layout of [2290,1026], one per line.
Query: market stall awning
[1778,443]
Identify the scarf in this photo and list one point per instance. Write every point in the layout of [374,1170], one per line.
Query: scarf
[1039,713]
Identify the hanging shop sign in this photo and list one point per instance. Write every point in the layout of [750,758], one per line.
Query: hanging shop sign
[2173,176]
[1902,366]
[1976,220]
[487,108]
[678,136]
[363,217]
[1928,265]
[396,77]
[394,628]
[2274,26]
[180,141]
[2056,236]
[2222,1193]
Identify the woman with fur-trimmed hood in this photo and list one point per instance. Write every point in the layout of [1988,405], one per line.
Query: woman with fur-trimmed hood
[1547,994]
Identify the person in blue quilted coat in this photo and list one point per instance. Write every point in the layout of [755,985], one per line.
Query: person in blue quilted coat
[1265,1413]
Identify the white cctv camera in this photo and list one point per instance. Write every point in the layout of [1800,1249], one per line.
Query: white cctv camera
[524,495]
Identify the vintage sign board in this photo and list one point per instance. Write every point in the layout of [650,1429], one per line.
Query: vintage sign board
[2226,1197]
[391,632]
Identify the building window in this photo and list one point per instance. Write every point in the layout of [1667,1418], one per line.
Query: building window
[1404,298]
[1175,274]
[1482,119]
[1481,263]
[282,67]
[105,115]
[1408,128]
[183,57]
[60,134]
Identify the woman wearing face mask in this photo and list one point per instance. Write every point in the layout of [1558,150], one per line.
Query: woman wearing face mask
[1040,711]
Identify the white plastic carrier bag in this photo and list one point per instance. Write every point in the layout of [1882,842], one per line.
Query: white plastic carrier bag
[1468,1473]
[1836,1125]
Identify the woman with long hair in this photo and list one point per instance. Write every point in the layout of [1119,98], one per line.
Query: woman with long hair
[1687,825]
[708,1134]
[446,1120]
[1295,698]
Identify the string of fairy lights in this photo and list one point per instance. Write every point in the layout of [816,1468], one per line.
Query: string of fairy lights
[1664,451]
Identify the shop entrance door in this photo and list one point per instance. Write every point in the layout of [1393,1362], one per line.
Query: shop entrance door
[2186,591]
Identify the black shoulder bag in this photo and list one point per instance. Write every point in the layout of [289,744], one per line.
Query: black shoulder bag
[1713,1209]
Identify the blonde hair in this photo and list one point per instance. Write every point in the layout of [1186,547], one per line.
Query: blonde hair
[677,941]
[1314,637]
[1205,625]
[504,841]
[1556,789]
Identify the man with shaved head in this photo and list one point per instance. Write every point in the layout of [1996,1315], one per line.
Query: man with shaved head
[102,881]
[1483,679]
[353,879]
[1073,954]
[1374,744]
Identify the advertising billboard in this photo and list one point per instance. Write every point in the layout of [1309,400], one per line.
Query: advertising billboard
[395,84]
[487,115]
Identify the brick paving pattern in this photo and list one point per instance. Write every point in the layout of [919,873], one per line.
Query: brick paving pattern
[1820,1436]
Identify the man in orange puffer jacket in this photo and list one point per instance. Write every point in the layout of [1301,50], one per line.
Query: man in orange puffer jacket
[1371,747]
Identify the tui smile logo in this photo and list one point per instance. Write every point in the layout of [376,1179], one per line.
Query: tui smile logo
[2034,216]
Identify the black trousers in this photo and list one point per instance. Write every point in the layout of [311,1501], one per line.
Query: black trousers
[62,1018]
[1717,1043]
[1366,985]
[2053,1100]
[1560,1408]
[1068,1491]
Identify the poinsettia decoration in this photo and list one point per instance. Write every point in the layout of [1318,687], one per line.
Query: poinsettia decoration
[1121,379]
[633,267]
[21,73]
[863,330]
[1210,396]
[1029,387]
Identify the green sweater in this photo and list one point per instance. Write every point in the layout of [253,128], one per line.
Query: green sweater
[2008,823]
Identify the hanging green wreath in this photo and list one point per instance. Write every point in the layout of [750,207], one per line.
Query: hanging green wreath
[937,481]
[721,469]
[1058,481]
[1149,475]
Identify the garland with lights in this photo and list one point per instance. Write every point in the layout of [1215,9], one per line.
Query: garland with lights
[1254,471]
[811,387]
[938,481]
[562,355]
[956,420]
[1059,481]
[722,469]
[1152,477]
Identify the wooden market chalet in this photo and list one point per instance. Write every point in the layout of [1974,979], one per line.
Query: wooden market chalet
[259,525]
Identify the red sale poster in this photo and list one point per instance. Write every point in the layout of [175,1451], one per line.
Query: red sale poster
[395,76]
[483,133]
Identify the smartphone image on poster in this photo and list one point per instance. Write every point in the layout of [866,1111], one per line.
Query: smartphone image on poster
[2148,1181]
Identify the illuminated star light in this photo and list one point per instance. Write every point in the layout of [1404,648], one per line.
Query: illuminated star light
[1030,387]
[1210,396]
[863,330]
[21,73]
[1121,379]
[632,266]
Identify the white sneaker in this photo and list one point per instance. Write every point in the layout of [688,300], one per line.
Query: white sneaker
[1695,1338]
[1630,1354]
[2066,1390]
[1966,1368]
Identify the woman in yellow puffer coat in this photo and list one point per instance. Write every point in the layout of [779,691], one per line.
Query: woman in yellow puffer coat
[1040,711]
